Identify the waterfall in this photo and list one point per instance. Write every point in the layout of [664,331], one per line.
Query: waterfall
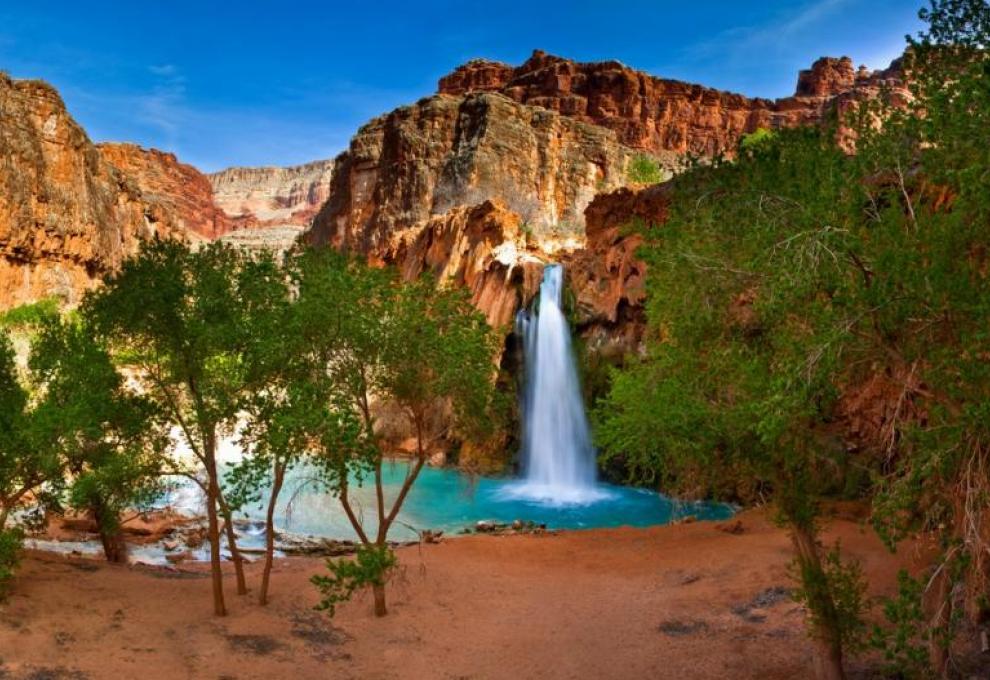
[558,458]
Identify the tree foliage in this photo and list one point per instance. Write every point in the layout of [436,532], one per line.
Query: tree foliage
[801,275]
[369,339]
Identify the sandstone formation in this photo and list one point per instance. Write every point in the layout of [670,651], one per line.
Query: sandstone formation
[272,196]
[181,188]
[608,279]
[481,248]
[500,172]
[66,214]
[660,115]
[275,239]
[444,152]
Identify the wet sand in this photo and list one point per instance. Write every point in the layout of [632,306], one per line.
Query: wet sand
[684,601]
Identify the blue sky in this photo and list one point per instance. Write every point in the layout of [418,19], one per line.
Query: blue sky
[260,83]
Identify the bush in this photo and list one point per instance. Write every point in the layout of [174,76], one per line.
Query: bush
[31,314]
[840,584]
[11,541]
[372,565]
[645,169]
[903,641]
[755,139]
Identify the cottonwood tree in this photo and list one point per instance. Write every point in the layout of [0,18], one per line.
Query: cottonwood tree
[416,346]
[930,218]
[177,317]
[110,445]
[24,467]
[288,406]
[800,274]
[751,327]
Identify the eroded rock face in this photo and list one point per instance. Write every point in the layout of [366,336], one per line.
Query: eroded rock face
[660,115]
[66,214]
[181,188]
[607,277]
[481,248]
[445,152]
[272,196]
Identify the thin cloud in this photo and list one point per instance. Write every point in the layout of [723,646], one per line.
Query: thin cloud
[164,70]
[774,36]
[164,106]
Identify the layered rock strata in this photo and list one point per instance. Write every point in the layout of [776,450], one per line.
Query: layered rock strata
[660,115]
[66,214]
[181,188]
[444,152]
[273,196]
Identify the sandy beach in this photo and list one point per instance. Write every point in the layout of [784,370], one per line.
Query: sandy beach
[683,601]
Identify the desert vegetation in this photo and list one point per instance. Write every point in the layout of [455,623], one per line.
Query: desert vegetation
[287,355]
[817,306]
[818,267]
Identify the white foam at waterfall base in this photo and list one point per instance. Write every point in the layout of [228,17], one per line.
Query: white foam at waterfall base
[558,458]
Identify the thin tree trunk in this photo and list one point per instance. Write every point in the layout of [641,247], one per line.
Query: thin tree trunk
[828,657]
[270,534]
[235,552]
[213,525]
[938,621]
[379,593]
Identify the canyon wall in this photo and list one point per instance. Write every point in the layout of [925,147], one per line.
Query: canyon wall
[422,160]
[180,187]
[661,115]
[477,188]
[272,196]
[66,214]
[540,153]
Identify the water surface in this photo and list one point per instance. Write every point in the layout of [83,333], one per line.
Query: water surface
[443,498]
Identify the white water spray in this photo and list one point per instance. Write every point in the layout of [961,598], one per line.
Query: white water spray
[558,458]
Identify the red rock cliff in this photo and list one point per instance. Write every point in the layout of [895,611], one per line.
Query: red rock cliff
[180,187]
[661,115]
[66,214]
[273,196]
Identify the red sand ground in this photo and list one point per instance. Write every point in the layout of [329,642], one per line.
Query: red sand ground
[665,602]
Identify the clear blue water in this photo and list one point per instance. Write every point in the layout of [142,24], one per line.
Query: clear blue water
[443,498]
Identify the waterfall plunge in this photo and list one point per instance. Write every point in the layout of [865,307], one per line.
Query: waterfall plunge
[558,459]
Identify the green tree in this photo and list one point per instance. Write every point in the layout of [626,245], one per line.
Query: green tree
[420,347]
[289,406]
[24,467]
[935,155]
[106,435]
[21,470]
[747,297]
[178,318]
[796,276]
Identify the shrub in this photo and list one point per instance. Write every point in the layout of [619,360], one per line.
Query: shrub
[371,567]
[843,586]
[31,314]
[755,139]
[10,555]
[644,169]
[903,641]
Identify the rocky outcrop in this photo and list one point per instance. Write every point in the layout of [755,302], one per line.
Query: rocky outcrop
[179,187]
[829,77]
[481,248]
[607,277]
[272,196]
[445,152]
[660,115]
[273,239]
[66,214]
